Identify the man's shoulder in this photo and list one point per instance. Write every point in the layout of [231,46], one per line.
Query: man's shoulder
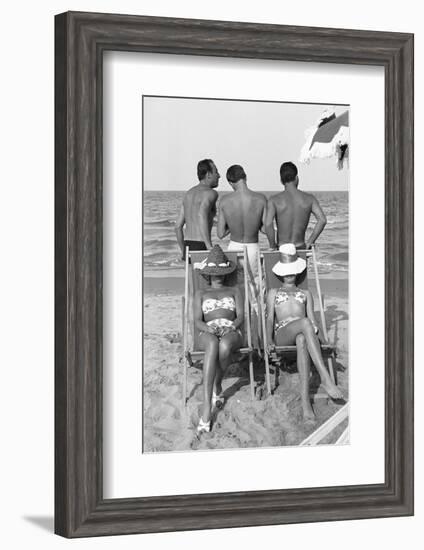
[211,195]
[228,198]
[201,191]
[260,197]
[310,197]
[277,197]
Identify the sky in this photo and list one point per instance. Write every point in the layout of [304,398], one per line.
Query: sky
[178,132]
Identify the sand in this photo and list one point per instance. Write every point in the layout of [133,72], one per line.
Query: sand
[274,420]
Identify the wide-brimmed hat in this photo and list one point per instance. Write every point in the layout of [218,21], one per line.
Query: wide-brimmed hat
[216,263]
[289,263]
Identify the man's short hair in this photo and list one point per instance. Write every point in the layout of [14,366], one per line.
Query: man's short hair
[235,173]
[203,167]
[288,172]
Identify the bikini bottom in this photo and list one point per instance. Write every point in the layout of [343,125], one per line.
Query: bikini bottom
[284,322]
[221,327]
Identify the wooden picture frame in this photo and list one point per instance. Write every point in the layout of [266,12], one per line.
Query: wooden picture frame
[81,39]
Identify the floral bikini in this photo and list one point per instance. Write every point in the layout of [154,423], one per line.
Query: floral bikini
[221,324]
[283,296]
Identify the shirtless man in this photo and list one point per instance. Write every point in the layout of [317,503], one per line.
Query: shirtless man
[198,210]
[242,214]
[292,210]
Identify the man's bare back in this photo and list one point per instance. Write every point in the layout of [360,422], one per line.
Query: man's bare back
[199,204]
[292,211]
[194,223]
[242,214]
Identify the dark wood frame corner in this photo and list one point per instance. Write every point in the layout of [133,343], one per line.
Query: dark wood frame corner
[80,40]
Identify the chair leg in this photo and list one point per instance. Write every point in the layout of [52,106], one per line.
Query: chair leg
[184,333]
[277,376]
[252,377]
[185,367]
[332,369]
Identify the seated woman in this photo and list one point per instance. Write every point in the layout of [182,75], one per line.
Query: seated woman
[290,321]
[218,314]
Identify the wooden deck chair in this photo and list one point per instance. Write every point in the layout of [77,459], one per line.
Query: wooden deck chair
[270,258]
[191,334]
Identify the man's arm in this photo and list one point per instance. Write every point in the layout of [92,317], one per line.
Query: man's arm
[179,224]
[206,207]
[222,229]
[320,224]
[269,223]
[263,220]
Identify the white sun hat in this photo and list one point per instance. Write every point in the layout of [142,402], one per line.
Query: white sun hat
[290,263]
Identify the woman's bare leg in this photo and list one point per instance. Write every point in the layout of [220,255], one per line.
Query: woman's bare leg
[287,336]
[209,343]
[228,344]
[303,367]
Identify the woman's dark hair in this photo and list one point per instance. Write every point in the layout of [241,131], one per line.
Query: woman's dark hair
[208,277]
[203,167]
[235,173]
[288,172]
[281,277]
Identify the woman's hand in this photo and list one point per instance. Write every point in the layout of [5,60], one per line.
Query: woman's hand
[224,330]
[270,348]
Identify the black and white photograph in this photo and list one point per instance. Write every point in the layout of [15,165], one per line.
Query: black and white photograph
[245,274]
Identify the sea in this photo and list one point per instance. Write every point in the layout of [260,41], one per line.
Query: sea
[161,252]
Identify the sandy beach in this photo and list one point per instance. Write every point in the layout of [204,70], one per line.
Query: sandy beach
[274,420]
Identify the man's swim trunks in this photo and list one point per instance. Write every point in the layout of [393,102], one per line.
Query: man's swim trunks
[194,245]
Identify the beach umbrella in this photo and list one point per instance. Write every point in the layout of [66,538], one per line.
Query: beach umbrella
[329,137]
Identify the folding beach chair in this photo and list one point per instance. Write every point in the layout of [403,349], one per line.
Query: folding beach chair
[191,333]
[286,353]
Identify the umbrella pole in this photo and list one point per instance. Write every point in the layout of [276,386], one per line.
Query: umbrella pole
[264,335]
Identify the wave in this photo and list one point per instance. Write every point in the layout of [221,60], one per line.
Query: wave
[337,220]
[163,243]
[171,262]
[163,222]
[340,257]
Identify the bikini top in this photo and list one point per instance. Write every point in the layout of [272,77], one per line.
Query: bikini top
[211,304]
[283,296]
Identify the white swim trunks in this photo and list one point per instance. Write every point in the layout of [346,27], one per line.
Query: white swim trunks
[252,255]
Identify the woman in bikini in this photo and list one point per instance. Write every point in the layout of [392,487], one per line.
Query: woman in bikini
[291,321]
[218,315]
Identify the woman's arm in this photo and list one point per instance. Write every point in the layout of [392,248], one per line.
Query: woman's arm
[270,316]
[310,310]
[238,321]
[198,314]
